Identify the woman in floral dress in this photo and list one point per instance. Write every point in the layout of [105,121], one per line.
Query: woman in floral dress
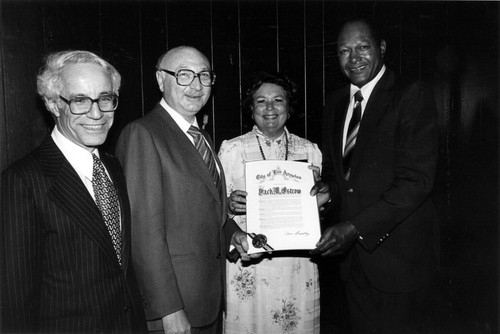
[278,292]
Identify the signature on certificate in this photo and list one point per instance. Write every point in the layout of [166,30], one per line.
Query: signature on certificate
[299,232]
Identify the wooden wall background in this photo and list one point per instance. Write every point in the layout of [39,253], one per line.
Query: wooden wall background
[451,45]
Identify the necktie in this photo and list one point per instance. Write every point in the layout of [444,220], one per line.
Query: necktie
[352,132]
[206,154]
[106,199]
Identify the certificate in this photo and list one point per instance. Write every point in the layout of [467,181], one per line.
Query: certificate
[281,213]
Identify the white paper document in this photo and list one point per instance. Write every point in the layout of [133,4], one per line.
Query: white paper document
[281,213]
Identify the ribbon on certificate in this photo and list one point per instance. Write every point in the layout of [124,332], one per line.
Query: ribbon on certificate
[260,241]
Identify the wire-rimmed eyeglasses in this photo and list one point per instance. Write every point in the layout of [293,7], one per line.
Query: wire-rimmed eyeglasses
[80,105]
[185,77]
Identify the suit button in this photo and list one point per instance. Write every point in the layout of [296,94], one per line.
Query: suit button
[126,309]
[350,190]
[218,255]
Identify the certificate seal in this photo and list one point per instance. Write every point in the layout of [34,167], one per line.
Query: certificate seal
[259,241]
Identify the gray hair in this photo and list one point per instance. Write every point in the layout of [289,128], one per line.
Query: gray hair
[49,82]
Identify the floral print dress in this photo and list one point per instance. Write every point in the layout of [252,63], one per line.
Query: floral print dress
[277,293]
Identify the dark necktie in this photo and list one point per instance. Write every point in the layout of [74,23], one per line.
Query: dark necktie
[352,133]
[106,199]
[206,154]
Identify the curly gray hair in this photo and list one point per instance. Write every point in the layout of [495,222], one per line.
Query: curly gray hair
[49,82]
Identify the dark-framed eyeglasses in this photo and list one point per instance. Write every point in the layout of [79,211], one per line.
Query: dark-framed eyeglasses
[185,77]
[80,105]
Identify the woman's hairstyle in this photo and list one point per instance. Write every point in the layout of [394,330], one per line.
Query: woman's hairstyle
[49,83]
[276,78]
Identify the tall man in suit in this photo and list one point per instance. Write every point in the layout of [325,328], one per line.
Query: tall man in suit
[180,229]
[66,238]
[380,173]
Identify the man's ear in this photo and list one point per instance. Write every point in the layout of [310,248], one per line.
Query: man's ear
[159,79]
[52,106]
[382,48]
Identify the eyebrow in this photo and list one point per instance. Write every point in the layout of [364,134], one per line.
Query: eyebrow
[84,95]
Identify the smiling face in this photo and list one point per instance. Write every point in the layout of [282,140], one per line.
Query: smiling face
[88,130]
[186,100]
[360,56]
[270,109]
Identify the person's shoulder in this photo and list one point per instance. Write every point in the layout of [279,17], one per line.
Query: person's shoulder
[406,83]
[147,123]
[238,139]
[29,164]
[233,143]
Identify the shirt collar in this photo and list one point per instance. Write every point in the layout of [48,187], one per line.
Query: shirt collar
[367,89]
[260,134]
[79,158]
[179,120]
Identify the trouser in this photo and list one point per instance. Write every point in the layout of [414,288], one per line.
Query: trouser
[374,311]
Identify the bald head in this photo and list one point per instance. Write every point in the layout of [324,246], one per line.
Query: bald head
[169,56]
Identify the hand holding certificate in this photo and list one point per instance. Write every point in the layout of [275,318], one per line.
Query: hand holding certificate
[281,213]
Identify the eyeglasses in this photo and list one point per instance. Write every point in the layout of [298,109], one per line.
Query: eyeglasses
[185,77]
[82,104]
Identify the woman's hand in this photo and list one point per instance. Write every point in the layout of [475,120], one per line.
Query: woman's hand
[237,202]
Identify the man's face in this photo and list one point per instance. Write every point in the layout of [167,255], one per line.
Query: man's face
[91,129]
[360,57]
[186,100]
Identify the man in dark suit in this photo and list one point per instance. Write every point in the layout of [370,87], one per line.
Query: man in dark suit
[65,252]
[381,172]
[180,229]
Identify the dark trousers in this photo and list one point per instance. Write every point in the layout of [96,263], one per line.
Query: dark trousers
[374,311]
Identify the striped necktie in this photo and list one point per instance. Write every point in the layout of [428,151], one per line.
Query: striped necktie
[352,133]
[106,199]
[206,154]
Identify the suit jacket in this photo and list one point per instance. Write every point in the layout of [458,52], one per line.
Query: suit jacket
[387,197]
[60,272]
[179,232]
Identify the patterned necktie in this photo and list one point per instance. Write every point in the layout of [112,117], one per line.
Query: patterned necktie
[106,199]
[206,154]
[352,132]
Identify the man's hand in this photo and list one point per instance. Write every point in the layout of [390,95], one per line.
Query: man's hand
[336,239]
[239,241]
[237,202]
[176,323]
[320,189]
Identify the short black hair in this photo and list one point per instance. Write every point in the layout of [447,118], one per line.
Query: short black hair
[276,78]
[375,29]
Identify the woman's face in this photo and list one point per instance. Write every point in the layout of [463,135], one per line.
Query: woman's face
[270,109]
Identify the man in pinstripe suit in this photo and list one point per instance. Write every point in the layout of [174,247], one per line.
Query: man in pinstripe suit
[61,271]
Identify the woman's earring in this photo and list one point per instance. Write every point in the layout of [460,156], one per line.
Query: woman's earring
[288,116]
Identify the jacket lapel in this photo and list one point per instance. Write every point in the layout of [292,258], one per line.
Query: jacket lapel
[190,154]
[375,109]
[68,192]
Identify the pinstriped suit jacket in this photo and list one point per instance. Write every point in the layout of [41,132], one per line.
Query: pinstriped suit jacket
[59,270]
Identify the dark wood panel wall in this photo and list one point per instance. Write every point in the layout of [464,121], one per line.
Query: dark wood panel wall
[451,45]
